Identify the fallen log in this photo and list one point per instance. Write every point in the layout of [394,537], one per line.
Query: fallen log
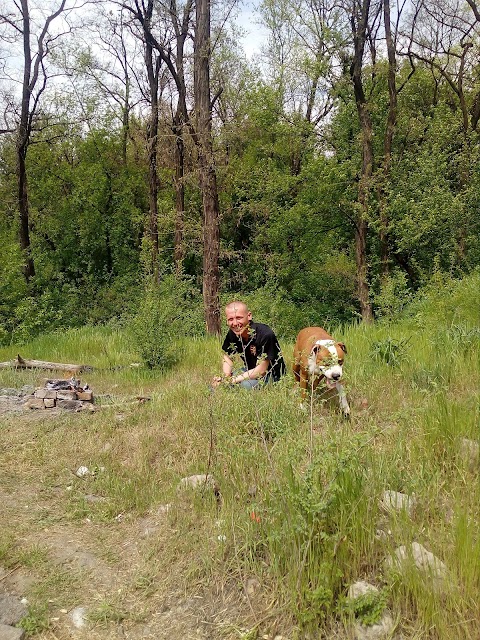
[22,363]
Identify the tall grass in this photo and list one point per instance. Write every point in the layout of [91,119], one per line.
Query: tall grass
[304,520]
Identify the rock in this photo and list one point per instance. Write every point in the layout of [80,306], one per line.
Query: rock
[11,633]
[85,396]
[71,405]
[381,629]
[11,610]
[198,482]
[49,403]
[66,394]
[396,501]
[78,617]
[469,451]
[360,588]
[46,393]
[34,403]
[422,559]
[252,587]
[82,471]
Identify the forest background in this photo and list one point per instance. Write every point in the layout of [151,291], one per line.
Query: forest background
[150,169]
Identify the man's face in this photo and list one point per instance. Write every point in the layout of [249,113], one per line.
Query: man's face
[238,319]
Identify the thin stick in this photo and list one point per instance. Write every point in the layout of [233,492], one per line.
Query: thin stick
[10,572]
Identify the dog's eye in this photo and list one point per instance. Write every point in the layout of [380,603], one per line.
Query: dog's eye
[340,361]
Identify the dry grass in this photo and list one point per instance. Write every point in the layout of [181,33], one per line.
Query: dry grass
[149,561]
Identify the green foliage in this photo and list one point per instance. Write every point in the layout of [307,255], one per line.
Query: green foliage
[395,293]
[390,351]
[36,620]
[367,608]
[167,312]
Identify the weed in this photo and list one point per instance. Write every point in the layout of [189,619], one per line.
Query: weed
[367,608]
[107,612]
[390,351]
[36,620]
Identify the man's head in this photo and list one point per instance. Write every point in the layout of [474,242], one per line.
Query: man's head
[238,318]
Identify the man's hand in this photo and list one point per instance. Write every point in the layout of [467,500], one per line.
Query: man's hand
[217,380]
[226,380]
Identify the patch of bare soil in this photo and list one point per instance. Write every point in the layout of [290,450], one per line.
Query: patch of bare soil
[102,580]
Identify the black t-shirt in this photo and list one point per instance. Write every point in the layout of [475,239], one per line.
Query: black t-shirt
[261,343]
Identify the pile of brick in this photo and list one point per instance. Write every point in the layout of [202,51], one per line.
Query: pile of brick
[64,394]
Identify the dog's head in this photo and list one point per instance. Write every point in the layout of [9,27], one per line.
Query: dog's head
[326,359]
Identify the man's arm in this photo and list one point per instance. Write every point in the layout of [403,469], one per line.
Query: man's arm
[227,365]
[253,374]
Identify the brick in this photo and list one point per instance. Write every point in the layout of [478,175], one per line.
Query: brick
[86,396]
[51,394]
[34,403]
[66,395]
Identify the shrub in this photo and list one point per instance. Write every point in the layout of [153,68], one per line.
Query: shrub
[167,311]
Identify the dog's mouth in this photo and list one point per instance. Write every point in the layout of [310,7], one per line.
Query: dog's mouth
[331,384]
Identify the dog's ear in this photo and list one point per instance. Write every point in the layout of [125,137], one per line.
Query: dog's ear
[342,347]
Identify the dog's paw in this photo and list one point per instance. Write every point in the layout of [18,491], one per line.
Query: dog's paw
[346,415]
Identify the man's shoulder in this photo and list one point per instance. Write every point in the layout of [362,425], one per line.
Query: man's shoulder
[262,329]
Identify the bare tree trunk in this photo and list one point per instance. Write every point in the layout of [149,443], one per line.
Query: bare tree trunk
[387,142]
[153,69]
[28,264]
[179,250]
[359,26]
[24,130]
[208,177]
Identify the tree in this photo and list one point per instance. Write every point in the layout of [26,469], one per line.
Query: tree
[208,176]
[28,24]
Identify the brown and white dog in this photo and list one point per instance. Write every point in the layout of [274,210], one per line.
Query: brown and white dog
[317,356]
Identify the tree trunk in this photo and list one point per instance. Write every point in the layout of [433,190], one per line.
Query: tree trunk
[179,250]
[153,70]
[361,229]
[387,143]
[28,265]
[22,146]
[208,177]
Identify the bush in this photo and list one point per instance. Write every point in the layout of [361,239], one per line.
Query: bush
[167,311]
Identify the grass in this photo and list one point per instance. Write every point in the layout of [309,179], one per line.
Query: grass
[299,507]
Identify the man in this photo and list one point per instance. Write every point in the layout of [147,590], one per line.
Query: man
[255,344]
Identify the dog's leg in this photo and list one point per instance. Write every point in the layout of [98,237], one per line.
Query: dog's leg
[296,372]
[342,398]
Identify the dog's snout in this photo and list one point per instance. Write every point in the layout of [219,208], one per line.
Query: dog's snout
[336,376]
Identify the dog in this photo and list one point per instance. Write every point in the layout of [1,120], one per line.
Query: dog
[317,356]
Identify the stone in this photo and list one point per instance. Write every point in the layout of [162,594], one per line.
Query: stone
[395,501]
[360,588]
[71,405]
[34,403]
[78,617]
[469,451]
[11,610]
[423,560]
[197,482]
[85,396]
[46,393]
[49,403]
[11,633]
[380,630]
[66,395]
[252,587]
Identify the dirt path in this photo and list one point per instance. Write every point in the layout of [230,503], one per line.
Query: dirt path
[122,579]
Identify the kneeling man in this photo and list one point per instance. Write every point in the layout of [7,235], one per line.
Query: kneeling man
[256,345]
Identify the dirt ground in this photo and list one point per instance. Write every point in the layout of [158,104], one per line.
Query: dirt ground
[102,580]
